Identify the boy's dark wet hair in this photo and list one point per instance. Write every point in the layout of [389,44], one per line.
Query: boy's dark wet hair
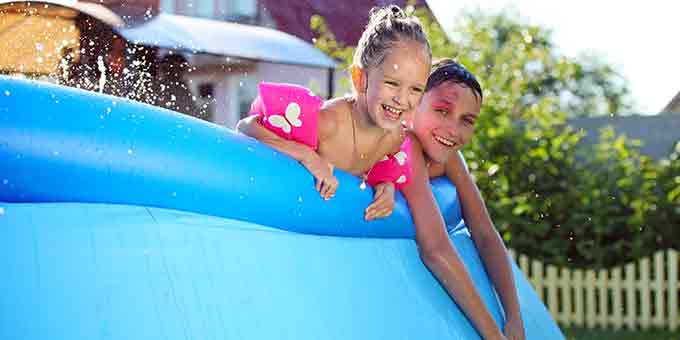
[447,69]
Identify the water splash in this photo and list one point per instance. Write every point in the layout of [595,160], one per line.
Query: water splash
[102,73]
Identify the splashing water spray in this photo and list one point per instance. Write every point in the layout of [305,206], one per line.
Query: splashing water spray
[102,73]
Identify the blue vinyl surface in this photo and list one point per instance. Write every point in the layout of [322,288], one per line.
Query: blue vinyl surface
[124,221]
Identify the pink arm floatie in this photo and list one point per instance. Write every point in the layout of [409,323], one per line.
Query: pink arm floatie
[291,111]
[395,168]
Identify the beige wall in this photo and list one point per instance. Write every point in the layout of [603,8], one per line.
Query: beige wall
[35,44]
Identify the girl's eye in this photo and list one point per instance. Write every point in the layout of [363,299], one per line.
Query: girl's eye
[391,83]
[469,121]
[417,90]
[442,112]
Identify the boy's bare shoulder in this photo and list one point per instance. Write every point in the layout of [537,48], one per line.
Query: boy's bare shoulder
[332,115]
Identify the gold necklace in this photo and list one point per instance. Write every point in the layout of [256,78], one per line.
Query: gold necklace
[355,152]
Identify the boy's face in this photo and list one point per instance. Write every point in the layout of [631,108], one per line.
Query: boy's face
[395,87]
[445,119]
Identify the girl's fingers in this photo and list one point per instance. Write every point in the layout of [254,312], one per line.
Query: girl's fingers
[324,190]
[384,212]
[319,184]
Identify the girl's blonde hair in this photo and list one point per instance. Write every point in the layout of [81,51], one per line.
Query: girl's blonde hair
[386,27]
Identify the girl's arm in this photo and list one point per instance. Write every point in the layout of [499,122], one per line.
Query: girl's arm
[321,169]
[488,242]
[436,249]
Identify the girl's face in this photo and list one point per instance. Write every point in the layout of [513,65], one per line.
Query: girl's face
[394,88]
[445,119]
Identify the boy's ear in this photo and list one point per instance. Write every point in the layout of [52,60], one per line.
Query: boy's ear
[358,78]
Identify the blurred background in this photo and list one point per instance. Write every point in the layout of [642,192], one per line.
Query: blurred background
[576,151]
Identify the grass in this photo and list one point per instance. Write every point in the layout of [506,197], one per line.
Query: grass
[602,334]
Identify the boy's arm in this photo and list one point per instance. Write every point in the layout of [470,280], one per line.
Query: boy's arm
[326,183]
[488,242]
[438,253]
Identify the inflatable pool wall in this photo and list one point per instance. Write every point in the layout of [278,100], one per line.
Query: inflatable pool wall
[119,220]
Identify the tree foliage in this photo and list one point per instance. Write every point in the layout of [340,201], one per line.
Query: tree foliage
[550,196]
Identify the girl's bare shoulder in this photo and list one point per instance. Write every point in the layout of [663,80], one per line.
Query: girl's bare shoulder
[332,116]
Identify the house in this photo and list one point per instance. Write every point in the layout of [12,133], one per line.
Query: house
[658,133]
[346,19]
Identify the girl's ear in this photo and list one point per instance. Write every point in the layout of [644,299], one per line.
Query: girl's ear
[358,78]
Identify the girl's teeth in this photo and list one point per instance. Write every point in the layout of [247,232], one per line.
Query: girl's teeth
[393,110]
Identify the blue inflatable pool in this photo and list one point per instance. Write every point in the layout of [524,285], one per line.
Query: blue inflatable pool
[119,220]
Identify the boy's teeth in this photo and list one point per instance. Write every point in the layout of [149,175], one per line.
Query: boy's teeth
[444,141]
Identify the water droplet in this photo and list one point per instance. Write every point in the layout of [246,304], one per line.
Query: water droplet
[129,151]
[252,179]
[300,199]
[241,197]
[174,194]
[2,211]
[56,153]
[5,181]
[251,149]
[7,93]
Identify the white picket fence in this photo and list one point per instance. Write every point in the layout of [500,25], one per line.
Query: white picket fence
[637,295]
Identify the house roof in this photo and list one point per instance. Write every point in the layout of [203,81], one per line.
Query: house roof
[673,105]
[658,133]
[224,38]
[346,19]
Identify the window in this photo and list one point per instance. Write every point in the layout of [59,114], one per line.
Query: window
[168,6]
[204,8]
[247,91]
[241,10]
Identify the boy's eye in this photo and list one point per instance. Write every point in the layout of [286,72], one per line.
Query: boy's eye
[391,83]
[417,90]
[469,121]
[442,112]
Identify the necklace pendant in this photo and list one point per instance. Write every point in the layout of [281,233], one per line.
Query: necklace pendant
[362,186]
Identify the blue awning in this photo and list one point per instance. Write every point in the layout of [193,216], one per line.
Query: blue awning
[225,38]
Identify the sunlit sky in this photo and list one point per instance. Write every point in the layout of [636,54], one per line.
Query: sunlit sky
[640,39]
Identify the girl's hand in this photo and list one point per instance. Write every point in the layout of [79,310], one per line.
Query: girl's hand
[514,329]
[322,170]
[383,202]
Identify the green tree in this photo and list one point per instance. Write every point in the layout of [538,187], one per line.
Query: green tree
[550,197]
